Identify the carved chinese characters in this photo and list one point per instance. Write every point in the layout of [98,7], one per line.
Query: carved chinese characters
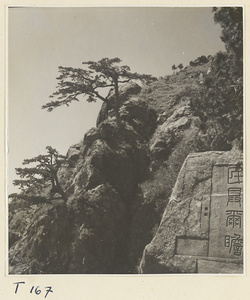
[226,220]
[202,227]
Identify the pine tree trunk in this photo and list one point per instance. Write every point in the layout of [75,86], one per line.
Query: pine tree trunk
[117,104]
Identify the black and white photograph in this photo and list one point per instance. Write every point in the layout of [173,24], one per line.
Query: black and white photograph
[125,140]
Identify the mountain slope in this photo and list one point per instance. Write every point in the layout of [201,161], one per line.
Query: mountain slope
[118,184]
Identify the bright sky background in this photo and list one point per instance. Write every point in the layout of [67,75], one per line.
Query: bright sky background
[148,39]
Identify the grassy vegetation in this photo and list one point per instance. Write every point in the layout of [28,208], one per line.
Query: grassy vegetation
[158,188]
[173,91]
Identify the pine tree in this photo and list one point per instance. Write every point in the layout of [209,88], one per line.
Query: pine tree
[231,21]
[180,66]
[220,99]
[174,68]
[104,73]
[34,180]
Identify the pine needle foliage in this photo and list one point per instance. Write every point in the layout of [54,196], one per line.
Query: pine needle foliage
[89,81]
[220,99]
[33,180]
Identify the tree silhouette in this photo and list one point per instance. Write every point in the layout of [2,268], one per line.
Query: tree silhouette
[43,175]
[174,68]
[220,98]
[180,66]
[89,82]
[231,21]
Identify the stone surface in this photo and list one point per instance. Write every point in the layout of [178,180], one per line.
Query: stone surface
[108,219]
[74,152]
[98,233]
[226,221]
[204,218]
[191,246]
[90,233]
[136,112]
[43,240]
[169,133]
[213,266]
[126,90]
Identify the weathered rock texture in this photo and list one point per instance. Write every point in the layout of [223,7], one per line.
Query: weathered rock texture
[91,232]
[125,92]
[202,227]
[170,132]
[118,185]
[43,239]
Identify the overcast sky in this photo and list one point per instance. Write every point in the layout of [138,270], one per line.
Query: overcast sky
[148,39]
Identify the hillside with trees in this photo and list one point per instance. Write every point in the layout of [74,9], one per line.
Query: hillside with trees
[102,203]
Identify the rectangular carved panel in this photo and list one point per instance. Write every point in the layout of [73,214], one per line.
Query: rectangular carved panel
[226,214]
[191,246]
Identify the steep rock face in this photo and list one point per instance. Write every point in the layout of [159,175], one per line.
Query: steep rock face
[116,155]
[168,147]
[112,220]
[118,184]
[90,233]
[144,220]
[114,160]
[98,231]
[125,91]
[169,133]
[191,237]
[74,152]
[44,237]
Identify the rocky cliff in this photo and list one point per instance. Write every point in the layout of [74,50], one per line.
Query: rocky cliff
[195,227]
[118,185]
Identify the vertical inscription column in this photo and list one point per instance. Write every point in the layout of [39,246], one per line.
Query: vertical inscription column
[226,217]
